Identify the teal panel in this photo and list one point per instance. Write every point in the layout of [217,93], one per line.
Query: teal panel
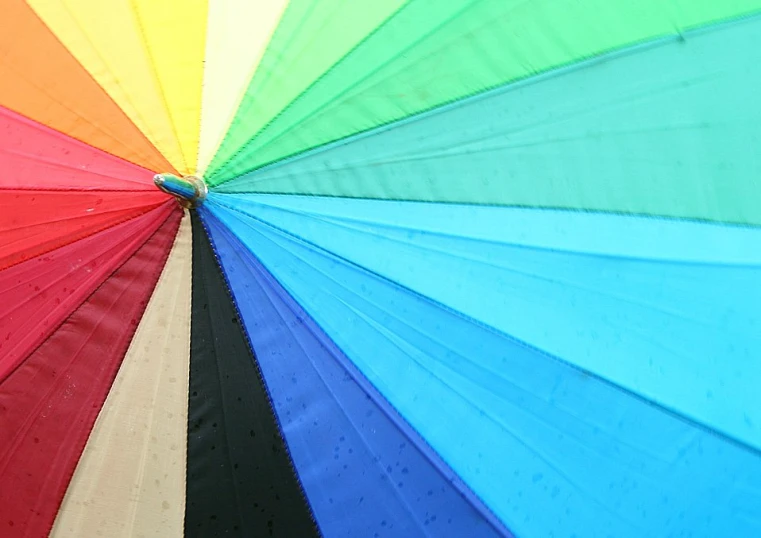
[673,130]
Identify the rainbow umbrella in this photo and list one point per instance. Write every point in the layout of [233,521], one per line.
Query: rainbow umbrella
[444,268]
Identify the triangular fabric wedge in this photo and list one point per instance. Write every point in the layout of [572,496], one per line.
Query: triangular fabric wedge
[40,79]
[35,222]
[549,447]
[49,403]
[240,480]
[34,156]
[350,447]
[130,480]
[36,296]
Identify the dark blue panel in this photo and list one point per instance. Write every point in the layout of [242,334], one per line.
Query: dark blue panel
[365,471]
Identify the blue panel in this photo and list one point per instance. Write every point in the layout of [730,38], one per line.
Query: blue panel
[554,451]
[366,472]
[667,309]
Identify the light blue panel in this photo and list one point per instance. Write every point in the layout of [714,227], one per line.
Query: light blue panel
[568,231]
[667,309]
[553,451]
[338,427]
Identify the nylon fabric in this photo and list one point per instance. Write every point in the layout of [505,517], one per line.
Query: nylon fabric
[669,130]
[429,53]
[233,26]
[240,480]
[153,70]
[337,425]
[551,449]
[691,314]
[49,403]
[174,33]
[40,79]
[130,480]
[292,62]
[597,234]
[36,296]
[35,222]
[33,156]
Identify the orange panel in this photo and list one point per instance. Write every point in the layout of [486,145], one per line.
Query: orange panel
[40,79]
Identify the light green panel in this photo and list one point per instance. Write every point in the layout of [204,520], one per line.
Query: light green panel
[423,54]
[672,129]
[311,37]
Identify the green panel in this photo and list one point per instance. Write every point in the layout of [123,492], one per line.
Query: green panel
[427,53]
[670,129]
[312,36]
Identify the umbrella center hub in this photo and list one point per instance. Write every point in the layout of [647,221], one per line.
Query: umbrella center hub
[190,191]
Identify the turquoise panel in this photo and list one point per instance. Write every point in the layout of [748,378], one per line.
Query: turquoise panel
[668,129]
[666,309]
[554,450]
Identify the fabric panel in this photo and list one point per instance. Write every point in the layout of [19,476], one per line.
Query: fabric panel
[426,54]
[240,480]
[49,404]
[36,296]
[33,156]
[36,222]
[130,480]
[40,79]
[233,26]
[550,447]
[669,130]
[338,427]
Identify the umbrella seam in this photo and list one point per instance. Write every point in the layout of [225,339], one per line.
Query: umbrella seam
[581,63]
[260,376]
[664,408]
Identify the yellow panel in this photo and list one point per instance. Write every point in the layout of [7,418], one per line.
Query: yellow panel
[175,32]
[130,480]
[152,69]
[238,33]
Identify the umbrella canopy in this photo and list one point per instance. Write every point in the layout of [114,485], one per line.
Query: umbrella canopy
[457,268]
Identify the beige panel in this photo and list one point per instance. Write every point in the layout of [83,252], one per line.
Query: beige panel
[130,481]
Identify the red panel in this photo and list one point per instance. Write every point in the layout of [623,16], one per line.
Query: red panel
[38,294]
[49,404]
[35,222]
[33,156]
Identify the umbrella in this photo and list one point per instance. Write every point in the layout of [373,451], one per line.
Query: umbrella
[457,268]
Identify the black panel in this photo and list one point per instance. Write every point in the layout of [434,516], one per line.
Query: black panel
[240,479]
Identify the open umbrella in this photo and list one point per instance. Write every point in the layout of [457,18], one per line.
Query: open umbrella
[457,268]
